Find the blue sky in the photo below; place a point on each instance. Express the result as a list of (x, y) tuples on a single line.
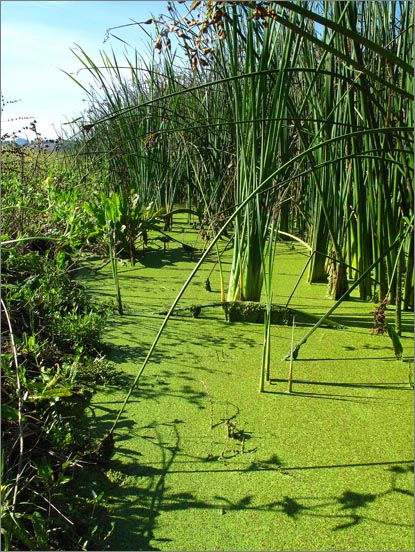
[(36, 41)]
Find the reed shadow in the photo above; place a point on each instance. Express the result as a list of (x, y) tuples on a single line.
[(368, 385)]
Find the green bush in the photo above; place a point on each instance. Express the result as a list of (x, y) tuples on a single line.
[(51, 360)]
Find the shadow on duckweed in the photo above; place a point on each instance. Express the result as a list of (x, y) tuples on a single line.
[(144, 496), (141, 498), (159, 258)]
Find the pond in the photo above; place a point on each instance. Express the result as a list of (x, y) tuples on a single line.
[(204, 461)]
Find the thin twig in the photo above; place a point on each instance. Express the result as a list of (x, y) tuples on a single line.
[(53, 507), (19, 406)]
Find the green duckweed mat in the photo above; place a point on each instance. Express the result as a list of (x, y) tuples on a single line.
[(203, 461)]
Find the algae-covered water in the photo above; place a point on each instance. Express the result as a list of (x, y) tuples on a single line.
[(203, 461)]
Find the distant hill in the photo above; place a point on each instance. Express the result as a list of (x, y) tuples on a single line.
[(21, 141), (43, 144)]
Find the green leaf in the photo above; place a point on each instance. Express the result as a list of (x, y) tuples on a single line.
[(47, 394), (56, 392), (10, 413), (39, 528), (397, 345), (88, 209), (11, 529)]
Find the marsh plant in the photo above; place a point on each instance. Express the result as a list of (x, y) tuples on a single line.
[(294, 119), (306, 103), (50, 357), (50, 345)]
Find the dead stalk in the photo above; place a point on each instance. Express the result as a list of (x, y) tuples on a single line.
[(19, 406)]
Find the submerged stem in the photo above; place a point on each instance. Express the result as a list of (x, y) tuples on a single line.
[(294, 354)]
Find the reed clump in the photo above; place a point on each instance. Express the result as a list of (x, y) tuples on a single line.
[(309, 106), (279, 119)]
